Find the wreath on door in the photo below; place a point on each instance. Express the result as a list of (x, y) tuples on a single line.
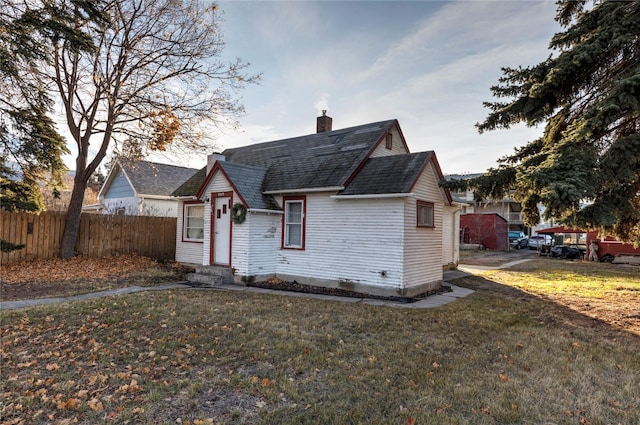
[(239, 213)]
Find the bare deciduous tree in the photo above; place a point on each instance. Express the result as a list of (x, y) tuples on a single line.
[(154, 79)]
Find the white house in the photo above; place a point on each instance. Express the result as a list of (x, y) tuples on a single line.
[(349, 208), (141, 188)]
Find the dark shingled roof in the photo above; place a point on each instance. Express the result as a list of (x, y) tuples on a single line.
[(150, 178), (316, 160), (319, 160), (192, 185), (388, 174), (248, 182)]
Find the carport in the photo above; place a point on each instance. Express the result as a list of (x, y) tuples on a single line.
[(606, 246), (562, 235)]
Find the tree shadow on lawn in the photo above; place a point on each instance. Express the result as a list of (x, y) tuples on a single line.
[(605, 316)]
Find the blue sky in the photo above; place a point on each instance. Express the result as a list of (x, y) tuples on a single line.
[(429, 64)]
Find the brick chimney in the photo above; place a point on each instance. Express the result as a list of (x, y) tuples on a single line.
[(212, 159), (324, 122)]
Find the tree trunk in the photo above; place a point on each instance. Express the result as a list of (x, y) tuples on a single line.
[(72, 221)]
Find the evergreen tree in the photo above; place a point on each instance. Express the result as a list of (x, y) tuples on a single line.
[(31, 148), (585, 169)]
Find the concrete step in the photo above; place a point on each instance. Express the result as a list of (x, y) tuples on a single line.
[(206, 280), (215, 275)]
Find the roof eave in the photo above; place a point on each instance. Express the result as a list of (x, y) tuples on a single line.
[(374, 196), (304, 190)]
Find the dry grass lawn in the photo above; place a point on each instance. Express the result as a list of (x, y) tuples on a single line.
[(514, 352)]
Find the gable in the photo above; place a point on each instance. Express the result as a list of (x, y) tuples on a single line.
[(143, 178), (398, 146), (119, 187), (246, 181), (396, 174), (388, 174)]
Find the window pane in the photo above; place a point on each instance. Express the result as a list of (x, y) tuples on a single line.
[(196, 211), (293, 231), (194, 222), (294, 212), (425, 215), (294, 235)]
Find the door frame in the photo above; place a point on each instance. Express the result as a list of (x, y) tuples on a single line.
[(213, 197)]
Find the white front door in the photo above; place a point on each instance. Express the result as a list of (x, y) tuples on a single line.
[(221, 236)]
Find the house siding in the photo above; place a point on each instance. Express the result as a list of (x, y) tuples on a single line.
[(398, 147), (186, 252), (240, 244), (159, 208), (450, 236), (264, 242), (350, 244), (130, 204), (423, 246), (119, 188)]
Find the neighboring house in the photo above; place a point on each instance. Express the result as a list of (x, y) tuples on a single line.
[(509, 209), (349, 208), (141, 188)]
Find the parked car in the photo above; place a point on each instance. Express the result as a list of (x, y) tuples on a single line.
[(517, 240), (537, 241)]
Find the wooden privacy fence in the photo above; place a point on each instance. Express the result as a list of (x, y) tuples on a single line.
[(99, 235)]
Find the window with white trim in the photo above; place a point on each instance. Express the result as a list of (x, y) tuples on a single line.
[(193, 222), (294, 221), (424, 212)]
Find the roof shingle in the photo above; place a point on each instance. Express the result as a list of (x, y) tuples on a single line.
[(388, 174), (150, 178)]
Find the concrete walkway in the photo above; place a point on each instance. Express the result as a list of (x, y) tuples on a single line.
[(429, 302), (9, 305)]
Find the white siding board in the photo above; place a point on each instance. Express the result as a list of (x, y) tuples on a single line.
[(130, 205), (450, 235), (186, 252), (264, 242), (159, 207), (423, 246), (240, 247), (349, 241)]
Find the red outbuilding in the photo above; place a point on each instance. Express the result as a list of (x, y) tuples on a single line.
[(490, 230)]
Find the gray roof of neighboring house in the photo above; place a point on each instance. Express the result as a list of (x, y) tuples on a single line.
[(150, 178), (388, 174), (462, 176)]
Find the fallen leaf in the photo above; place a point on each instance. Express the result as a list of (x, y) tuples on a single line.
[(95, 405)]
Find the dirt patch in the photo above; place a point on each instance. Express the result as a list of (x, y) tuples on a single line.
[(53, 277), (494, 258), (282, 285)]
